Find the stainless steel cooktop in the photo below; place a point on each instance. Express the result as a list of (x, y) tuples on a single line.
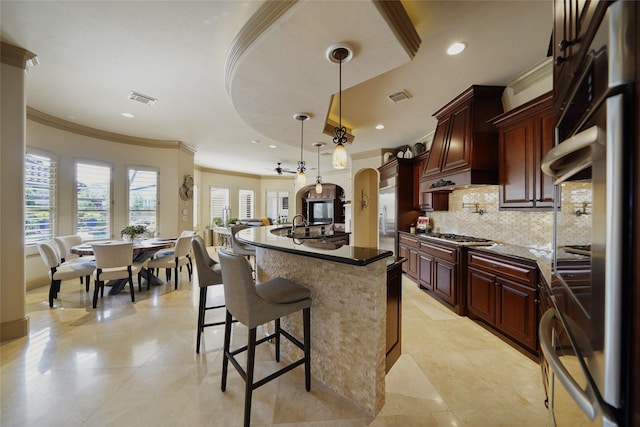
[(458, 239)]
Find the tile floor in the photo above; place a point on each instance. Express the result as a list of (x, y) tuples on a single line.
[(130, 364)]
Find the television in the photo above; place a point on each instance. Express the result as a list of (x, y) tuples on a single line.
[(320, 212)]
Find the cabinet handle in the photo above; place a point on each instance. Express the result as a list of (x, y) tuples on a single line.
[(560, 60), (564, 44)]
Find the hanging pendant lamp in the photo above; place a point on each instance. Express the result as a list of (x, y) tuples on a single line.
[(301, 179), (340, 53), (318, 178)]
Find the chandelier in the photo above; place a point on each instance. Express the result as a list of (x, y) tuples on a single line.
[(340, 53), (301, 179)]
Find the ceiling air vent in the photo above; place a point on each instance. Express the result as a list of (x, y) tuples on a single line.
[(399, 96), (142, 98)]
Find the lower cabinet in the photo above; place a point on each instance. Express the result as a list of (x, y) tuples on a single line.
[(394, 313), (408, 248), (503, 293), (438, 266)]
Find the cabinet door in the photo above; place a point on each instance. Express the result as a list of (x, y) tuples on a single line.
[(517, 165), (481, 299), (425, 271), (434, 164), (546, 123), (516, 315), (403, 252), (458, 149), (413, 263), (444, 281)]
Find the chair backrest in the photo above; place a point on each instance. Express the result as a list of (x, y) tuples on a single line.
[(65, 243), (111, 255), (207, 275), (49, 253), (237, 246), (183, 246), (187, 233), (239, 288)]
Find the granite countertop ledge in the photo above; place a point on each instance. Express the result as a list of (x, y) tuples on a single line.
[(354, 255), (541, 257)]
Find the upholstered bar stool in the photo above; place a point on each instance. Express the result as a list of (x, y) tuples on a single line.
[(209, 274), (254, 305)]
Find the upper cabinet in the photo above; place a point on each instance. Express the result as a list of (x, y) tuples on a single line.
[(465, 147), (572, 34), (526, 135)]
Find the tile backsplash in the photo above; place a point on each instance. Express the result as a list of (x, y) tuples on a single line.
[(520, 228)]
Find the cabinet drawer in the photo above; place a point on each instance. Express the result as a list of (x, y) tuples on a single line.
[(438, 251), (408, 241), (502, 267)]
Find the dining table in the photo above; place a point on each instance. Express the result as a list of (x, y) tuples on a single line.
[(142, 251)]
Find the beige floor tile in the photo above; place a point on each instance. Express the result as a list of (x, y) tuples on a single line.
[(126, 364)]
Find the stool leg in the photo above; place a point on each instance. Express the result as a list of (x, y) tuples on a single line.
[(251, 358), (203, 298), (225, 350), (306, 314), (277, 332)]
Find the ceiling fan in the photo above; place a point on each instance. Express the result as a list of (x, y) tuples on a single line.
[(280, 170)]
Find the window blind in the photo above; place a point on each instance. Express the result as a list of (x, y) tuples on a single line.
[(143, 198), (246, 204), (93, 201), (40, 197)]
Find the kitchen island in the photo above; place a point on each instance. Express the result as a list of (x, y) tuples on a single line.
[(348, 314)]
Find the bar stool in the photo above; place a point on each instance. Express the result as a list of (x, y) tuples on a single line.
[(209, 274), (254, 305)]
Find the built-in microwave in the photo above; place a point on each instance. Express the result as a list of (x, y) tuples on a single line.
[(583, 336)]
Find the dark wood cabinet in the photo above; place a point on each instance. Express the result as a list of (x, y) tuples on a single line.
[(502, 292), (572, 34), (399, 173), (331, 194), (526, 134), (394, 312), (408, 248), (465, 147), (439, 269)]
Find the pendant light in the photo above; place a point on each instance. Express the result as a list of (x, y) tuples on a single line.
[(301, 179), (318, 178), (340, 53)]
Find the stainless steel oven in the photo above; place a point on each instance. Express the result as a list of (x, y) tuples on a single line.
[(583, 336)]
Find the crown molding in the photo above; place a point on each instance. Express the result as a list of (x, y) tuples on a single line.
[(55, 122), (17, 56), (399, 22), (538, 72), (228, 173)]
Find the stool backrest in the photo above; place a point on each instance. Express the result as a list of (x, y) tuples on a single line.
[(207, 275), (239, 288)]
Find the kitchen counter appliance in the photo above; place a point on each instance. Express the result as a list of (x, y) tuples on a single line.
[(459, 240), (584, 337)]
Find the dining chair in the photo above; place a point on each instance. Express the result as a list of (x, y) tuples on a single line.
[(209, 274), (172, 260), (185, 233), (64, 244), (114, 261), (59, 271), (254, 305)]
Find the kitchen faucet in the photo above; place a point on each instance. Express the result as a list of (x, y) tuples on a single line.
[(293, 222)]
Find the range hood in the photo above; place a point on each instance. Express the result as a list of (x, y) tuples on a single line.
[(464, 151)]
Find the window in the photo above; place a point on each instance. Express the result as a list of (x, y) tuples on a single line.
[(93, 201), (143, 198), (246, 204), (278, 205), (219, 202), (40, 197)]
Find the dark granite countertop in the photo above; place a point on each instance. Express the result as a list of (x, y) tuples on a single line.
[(355, 255), (543, 258)]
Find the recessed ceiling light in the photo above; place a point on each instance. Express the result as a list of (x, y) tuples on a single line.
[(456, 48), (127, 115), (379, 126), (255, 141), (272, 146)]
